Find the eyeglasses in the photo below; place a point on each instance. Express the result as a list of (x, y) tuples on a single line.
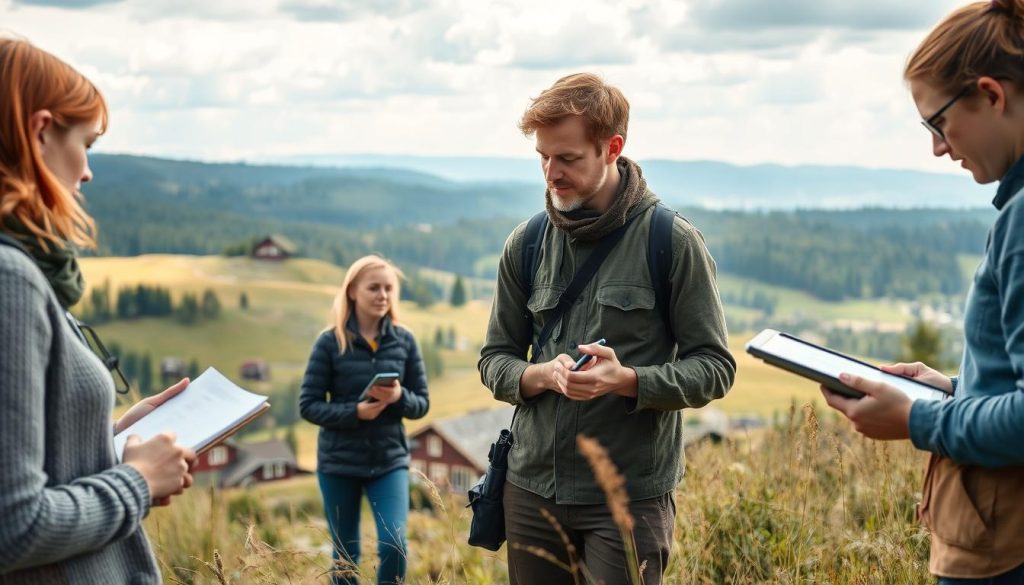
[(121, 385), (929, 122)]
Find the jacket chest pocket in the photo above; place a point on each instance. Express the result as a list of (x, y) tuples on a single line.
[(542, 302), (626, 311)]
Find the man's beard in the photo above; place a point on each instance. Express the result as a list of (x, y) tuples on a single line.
[(576, 202), (567, 206)]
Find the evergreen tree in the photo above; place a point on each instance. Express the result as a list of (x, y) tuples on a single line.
[(458, 297), (452, 338), (418, 290), (292, 439), (243, 301), (99, 304), (126, 308), (146, 375), (130, 366), (923, 344), (188, 309), (432, 360), (210, 308)]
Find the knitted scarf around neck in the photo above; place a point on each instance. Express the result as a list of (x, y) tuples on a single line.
[(59, 263), (588, 225)]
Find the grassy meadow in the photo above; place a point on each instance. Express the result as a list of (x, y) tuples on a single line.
[(802, 501)]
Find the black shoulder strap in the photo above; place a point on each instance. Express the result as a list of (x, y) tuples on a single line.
[(579, 282), (659, 260), (533, 238)]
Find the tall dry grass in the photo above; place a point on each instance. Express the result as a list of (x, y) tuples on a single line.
[(804, 501)]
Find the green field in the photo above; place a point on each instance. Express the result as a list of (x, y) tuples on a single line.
[(798, 304), (289, 306)]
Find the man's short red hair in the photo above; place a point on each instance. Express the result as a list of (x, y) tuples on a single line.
[(603, 108)]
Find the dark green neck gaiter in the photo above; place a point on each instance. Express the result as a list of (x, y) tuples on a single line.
[(59, 264)]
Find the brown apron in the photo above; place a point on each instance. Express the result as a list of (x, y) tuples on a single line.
[(976, 518)]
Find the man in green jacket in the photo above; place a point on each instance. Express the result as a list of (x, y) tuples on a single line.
[(630, 394)]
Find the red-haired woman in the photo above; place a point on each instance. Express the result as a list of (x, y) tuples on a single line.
[(70, 512), (967, 79), (362, 445)]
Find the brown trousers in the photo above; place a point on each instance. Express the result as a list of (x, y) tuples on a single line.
[(591, 531)]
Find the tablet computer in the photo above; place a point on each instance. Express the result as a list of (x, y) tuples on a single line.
[(824, 365), (380, 379)]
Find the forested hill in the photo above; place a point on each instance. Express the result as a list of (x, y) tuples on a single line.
[(147, 205)]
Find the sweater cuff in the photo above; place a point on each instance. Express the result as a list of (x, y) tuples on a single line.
[(955, 381), (138, 486), (923, 417)]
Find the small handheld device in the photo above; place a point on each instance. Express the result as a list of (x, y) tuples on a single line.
[(586, 357), (379, 379)]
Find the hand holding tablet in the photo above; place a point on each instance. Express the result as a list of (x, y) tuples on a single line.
[(824, 366)]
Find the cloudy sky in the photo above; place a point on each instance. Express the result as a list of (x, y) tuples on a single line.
[(743, 81)]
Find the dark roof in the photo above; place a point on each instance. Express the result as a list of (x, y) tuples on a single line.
[(473, 433), (281, 242), (252, 456)]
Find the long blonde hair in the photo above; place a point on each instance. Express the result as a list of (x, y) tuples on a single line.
[(342, 309), (32, 80)]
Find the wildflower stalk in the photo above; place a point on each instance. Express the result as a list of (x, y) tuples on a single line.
[(614, 486)]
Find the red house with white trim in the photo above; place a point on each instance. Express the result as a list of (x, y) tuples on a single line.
[(234, 464), (453, 452)]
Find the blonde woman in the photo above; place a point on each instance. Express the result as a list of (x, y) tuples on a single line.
[(69, 513), (362, 444)]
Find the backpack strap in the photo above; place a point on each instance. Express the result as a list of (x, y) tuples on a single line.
[(659, 260), (533, 238)]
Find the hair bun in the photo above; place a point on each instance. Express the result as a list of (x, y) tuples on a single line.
[(1008, 7)]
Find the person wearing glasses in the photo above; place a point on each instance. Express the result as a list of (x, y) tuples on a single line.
[(967, 80), (365, 375), (69, 512)]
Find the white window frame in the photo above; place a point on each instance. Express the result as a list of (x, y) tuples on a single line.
[(218, 456), (434, 446)]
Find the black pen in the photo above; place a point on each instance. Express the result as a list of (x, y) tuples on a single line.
[(586, 357)]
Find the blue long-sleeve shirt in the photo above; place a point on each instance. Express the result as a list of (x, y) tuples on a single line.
[(984, 422)]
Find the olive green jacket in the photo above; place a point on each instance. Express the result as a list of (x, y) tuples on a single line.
[(688, 369)]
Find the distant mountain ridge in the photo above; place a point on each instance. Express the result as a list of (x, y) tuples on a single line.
[(147, 205), (711, 184)]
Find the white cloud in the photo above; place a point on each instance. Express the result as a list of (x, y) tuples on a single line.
[(790, 82), (343, 10)]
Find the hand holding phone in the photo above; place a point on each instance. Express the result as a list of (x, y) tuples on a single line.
[(586, 357), (380, 379)]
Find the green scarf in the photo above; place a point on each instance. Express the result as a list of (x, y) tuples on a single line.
[(59, 264), (584, 224)]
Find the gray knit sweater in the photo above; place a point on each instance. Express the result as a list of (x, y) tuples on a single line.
[(68, 512)]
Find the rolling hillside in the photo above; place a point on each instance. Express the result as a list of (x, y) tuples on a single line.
[(289, 304)]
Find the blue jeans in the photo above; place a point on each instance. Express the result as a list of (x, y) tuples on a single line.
[(389, 501), (1014, 577)]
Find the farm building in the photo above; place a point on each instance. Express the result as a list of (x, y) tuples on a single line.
[(235, 464)]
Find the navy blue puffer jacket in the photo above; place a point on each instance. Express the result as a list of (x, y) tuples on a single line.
[(330, 389)]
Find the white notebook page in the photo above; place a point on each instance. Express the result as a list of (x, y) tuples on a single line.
[(209, 406)]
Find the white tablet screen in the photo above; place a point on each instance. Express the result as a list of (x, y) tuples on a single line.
[(831, 364)]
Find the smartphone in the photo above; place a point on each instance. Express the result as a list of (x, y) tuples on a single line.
[(586, 357), (379, 379)]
